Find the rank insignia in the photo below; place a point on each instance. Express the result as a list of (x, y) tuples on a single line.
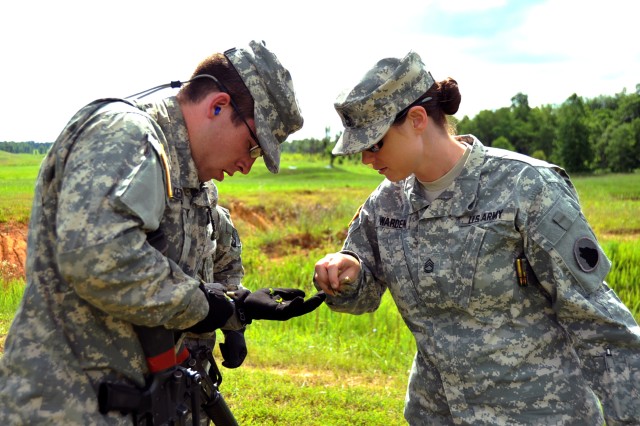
[(428, 266)]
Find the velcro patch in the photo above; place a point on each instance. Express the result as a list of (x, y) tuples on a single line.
[(586, 253)]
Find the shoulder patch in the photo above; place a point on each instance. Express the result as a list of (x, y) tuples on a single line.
[(355, 216), (157, 146), (586, 253)]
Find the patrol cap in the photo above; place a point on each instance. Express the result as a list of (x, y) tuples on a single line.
[(369, 110), (276, 111)]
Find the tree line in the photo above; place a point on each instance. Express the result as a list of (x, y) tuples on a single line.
[(581, 135), (25, 147)]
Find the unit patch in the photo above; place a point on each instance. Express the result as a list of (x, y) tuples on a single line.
[(586, 253)]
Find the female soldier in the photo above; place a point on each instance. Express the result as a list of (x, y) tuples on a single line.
[(491, 264)]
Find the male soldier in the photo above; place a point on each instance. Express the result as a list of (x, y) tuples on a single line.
[(121, 227)]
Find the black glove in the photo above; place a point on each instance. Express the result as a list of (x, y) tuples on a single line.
[(220, 310), (234, 348), (278, 304)]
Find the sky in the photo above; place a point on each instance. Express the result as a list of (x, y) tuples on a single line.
[(56, 56)]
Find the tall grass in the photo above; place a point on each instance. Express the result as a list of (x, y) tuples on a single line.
[(624, 276), (18, 173)]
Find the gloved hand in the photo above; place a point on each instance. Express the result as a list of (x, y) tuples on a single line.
[(220, 310), (279, 304), (234, 348)]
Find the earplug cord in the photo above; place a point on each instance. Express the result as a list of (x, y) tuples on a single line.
[(174, 85)]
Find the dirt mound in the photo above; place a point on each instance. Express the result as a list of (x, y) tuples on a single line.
[(13, 237), (254, 217), (13, 250)]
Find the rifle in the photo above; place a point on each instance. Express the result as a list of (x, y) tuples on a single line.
[(213, 402), (178, 388)]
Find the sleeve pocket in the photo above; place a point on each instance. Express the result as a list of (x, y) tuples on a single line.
[(563, 232), (616, 381)]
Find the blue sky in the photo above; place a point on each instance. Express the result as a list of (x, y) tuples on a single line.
[(57, 56)]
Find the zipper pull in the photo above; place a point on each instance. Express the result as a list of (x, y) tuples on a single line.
[(608, 359)]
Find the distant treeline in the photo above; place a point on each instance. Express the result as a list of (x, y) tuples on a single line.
[(580, 135), (25, 147)]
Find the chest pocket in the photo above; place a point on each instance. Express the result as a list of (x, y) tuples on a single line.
[(198, 243), (447, 267), (398, 273)]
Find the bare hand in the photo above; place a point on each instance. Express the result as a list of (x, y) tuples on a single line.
[(336, 270)]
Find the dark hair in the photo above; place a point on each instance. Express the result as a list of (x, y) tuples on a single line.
[(445, 100), (219, 66)]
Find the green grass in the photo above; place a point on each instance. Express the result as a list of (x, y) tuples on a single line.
[(328, 368), (18, 173), (611, 204), (312, 398)]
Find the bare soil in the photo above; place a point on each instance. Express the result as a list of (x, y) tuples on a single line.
[(13, 238), (13, 250)]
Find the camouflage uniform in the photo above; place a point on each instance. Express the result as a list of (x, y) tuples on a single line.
[(493, 349), (91, 273), (225, 266)]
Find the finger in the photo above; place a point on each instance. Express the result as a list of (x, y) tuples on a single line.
[(321, 280), (316, 300), (327, 270), (311, 304), (289, 293), (349, 275), (333, 272), (321, 276), (290, 309)]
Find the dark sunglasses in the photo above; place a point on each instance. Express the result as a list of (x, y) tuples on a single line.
[(376, 147)]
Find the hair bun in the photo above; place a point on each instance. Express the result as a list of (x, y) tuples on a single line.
[(449, 96)]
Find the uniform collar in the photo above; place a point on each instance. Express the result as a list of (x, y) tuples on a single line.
[(459, 199), (167, 113)]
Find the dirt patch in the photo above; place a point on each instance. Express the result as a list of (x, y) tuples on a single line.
[(254, 217), (621, 234), (13, 250), (302, 243), (251, 218)]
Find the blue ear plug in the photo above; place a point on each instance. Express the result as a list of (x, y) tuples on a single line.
[(216, 111)]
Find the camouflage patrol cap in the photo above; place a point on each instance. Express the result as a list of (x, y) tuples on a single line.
[(371, 107), (276, 111)]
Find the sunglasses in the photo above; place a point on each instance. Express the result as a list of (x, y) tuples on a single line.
[(376, 147)]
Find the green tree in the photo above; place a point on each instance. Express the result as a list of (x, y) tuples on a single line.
[(621, 148), (543, 120), (573, 147), (488, 125), (502, 142), (520, 131)]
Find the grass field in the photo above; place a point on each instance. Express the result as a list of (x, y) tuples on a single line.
[(18, 172), (327, 368)]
